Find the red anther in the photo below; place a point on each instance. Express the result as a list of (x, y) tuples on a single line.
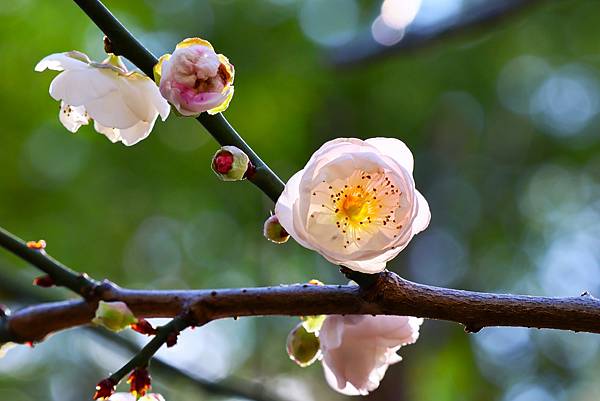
[(104, 389), (144, 327), (38, 245), (223, 162), (44, 281), (139, 381), (30, 344), (172, 339)]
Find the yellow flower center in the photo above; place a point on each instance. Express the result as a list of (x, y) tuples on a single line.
[(354, 206), (359, 206)]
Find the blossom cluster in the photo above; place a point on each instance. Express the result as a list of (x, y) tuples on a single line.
[(355, 202), (124, 105)]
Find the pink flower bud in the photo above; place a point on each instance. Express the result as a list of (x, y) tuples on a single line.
[(195, 79)]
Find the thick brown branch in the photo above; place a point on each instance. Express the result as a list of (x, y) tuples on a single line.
[(389, 294)]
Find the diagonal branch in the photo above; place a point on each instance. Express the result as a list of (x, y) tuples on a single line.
[(143, 357), (123, 43)]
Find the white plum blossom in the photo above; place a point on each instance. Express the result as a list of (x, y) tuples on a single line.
[(357, 349), (124, 105), (131, 397), (355, 202), (195, 79)]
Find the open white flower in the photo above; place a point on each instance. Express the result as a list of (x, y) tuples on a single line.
[(357, 350), (124, 105), (355, 202)]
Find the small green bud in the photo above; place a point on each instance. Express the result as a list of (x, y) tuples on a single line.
[(231, 164), (303, 347), (313, 324), (114, 316), (274, 232)]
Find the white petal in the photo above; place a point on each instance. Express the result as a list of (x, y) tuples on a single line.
[(332, 380), (77, 87), (72, 117), (331, 332), (133, 135), (396, 149), (285, 209), (112, 111), (143, 97), (61, 61), (113, 134), (423, 217)]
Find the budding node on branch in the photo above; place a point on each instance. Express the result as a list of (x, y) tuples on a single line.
[(172, 339), (114, 316), (37, 245), (139, 382), (104, 389), (142, 326), (231, 164), (274, 232), (44, 281)]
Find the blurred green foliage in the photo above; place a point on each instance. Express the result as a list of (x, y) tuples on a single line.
[(504, 124)]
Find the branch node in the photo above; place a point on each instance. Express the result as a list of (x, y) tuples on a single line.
[(472, 328), (364, 280)]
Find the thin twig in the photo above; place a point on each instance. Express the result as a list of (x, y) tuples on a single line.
[(125, 44), (142, 357), (63, 276)]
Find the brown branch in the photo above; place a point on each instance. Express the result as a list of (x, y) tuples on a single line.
[(366, 49), (15, 290), (389, 294)]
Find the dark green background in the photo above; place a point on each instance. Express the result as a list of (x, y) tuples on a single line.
[(513, 188)]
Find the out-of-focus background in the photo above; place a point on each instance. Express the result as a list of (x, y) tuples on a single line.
[(503, 120)]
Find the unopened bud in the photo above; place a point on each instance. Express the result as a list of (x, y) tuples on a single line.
[(139, 382), (44, 281), (104, 389), (231, 164), (142, 326), (313, 324), (303, 347), (172, 339), (114, 316), (274, 231)]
